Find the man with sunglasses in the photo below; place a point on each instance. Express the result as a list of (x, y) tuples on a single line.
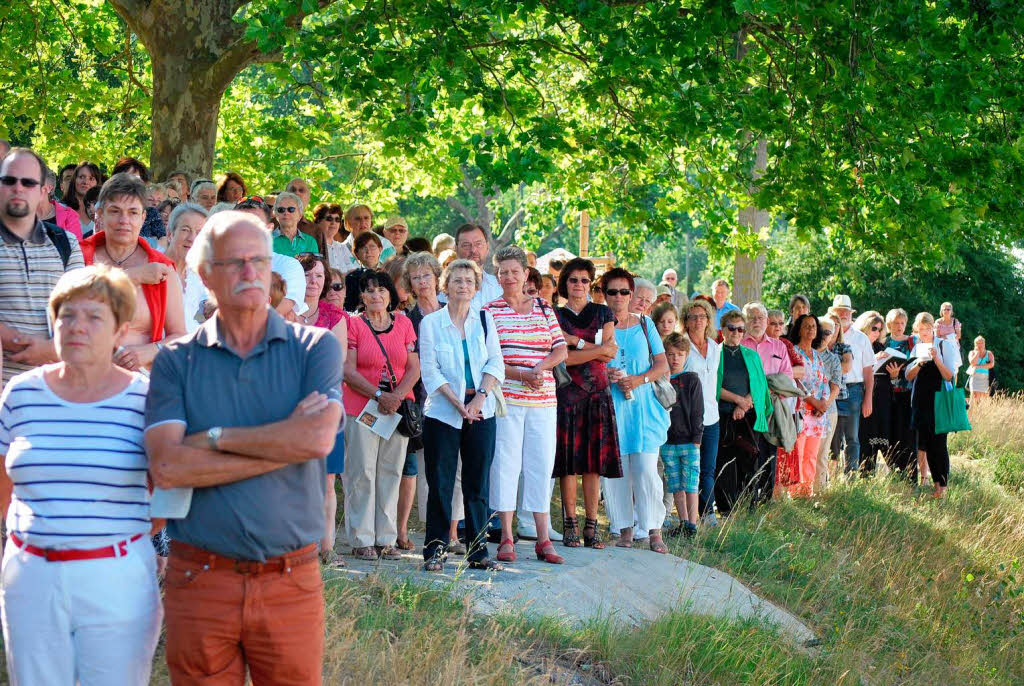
[(30, 265), (288, 240)]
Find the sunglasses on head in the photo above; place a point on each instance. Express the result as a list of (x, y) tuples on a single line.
[(734, 328), (25, 182), (618, 291), (253, 198), (289, 210)]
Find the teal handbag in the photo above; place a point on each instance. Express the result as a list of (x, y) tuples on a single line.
[(951, 410)]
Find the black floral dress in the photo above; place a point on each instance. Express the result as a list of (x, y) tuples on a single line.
[(588, 439)]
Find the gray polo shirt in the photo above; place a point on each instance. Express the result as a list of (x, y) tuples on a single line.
[(199, 381)]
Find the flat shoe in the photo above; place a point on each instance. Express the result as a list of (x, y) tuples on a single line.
[(486, 564), (405, 545), (457, 548), (366, 553), (389, 553)]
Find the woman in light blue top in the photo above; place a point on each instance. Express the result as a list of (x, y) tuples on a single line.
[(462, 365), (642, 421)]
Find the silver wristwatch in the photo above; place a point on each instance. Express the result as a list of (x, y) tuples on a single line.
[(482, 391), (378, 394), (213, 437), (647, 379), (580, 343)]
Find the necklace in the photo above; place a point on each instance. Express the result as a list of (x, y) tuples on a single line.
[(733, 351), (118, 263), (312, 315)]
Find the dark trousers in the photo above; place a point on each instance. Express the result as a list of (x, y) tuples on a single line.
[(708, 460), (738, 457), (442, 445), (902, 437), (938, 455), (764, 478)]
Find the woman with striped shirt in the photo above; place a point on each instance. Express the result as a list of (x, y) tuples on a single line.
[(532, 345), (78, 588)]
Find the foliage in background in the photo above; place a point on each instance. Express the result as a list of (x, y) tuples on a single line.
[(985, 283)]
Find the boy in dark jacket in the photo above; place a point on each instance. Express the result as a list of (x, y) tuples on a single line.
[(681, 453)]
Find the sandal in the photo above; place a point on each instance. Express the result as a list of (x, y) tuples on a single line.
[(331, 560), (388, 552), (510, 554), (546, 553), (571, 532), (594, 540), (434, 564), (624, 542), (405, 544), (487, 565), (368, 553), (656, 544), (457, 547)]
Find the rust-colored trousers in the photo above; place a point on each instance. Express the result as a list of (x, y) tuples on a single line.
[(220, 621)]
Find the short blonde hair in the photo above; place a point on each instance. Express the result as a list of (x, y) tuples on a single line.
[(979, 338), (462, 264), (709, 329), (442, 242), (894, 314), (98, 282), (921, 319), (419, 260)]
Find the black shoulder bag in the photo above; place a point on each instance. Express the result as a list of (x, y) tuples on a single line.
[(559, 371), (411, 424)]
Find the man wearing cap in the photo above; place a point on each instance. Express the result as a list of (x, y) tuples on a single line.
[(670, 279), (860, 382), (396, 230)]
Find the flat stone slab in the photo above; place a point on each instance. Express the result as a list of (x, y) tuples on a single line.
[(629, 586)]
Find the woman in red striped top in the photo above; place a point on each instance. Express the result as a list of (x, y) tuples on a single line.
[(532, 344)]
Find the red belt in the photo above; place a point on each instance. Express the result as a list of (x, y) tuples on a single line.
[(119, 549)]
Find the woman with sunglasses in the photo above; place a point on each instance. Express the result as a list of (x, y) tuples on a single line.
[(330, 233), (704, 357), (902, 456), (336, 291), (641, 421), (875, 429), (588, 444), (806, 336), (288, 240), (744, 405)]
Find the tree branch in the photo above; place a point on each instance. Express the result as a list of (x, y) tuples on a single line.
[(508, 231), (456, 205)]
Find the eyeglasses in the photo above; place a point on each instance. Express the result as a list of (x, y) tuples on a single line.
[(618, 291), (735, 329), (289, 210), (26, 183), (774, 323), (584, 281), (337, 287), (238, 264)]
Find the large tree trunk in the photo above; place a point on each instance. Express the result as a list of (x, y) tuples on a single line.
[(748, 272), (197, 49)]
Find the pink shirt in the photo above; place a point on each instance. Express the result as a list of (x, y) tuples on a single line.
[(773, 353), (67, 219), (399, 341)]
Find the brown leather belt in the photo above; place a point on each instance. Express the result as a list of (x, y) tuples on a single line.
[(282, 563)]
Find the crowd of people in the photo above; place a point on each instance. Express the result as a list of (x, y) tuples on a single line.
[(188, 368)]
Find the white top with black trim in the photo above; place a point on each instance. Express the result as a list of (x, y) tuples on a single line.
[(79, 469)]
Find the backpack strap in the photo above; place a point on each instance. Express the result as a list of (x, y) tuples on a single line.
[(59, 238)]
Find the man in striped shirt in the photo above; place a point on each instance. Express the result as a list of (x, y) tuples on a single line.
[(30, 265)]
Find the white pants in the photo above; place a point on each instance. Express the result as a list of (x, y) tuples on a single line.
[(94, 622), (525, 444), (422, 489), (640, 482)]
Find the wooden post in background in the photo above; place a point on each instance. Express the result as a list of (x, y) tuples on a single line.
[(584, 234)]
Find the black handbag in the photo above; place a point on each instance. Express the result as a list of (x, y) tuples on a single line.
[(411, 424), (559, 371)]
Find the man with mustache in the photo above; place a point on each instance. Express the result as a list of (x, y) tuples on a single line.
[(243, 412), (30, 264)]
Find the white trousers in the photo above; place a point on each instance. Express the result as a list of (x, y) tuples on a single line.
[(640, 484), (525, 444), (94, 622), (422, 489)]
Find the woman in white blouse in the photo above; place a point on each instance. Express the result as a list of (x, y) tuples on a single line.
[(698, 321), (461, 367), (79, 588)]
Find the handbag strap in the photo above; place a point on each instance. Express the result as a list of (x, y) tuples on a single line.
[(650, 350), (387, 360), (543, 311)]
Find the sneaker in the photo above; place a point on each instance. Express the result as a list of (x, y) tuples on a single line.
[(689, 530), (709, 519)]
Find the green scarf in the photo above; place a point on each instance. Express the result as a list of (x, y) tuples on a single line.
[(758, 385)]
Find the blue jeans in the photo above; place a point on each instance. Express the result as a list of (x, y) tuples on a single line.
[(848, 429), (708, 460)]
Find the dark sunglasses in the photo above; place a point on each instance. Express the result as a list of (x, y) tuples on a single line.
[(332, 218), (825, 333), (876, 328), (584, 281), (27, 183), (289, 210), (734, 329), (337, 287), (618, 291)]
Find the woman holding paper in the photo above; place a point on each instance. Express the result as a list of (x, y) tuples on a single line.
[(934, 363), (381, 368), (901, 432), (875, 429), (462, 365), (79, 587)]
